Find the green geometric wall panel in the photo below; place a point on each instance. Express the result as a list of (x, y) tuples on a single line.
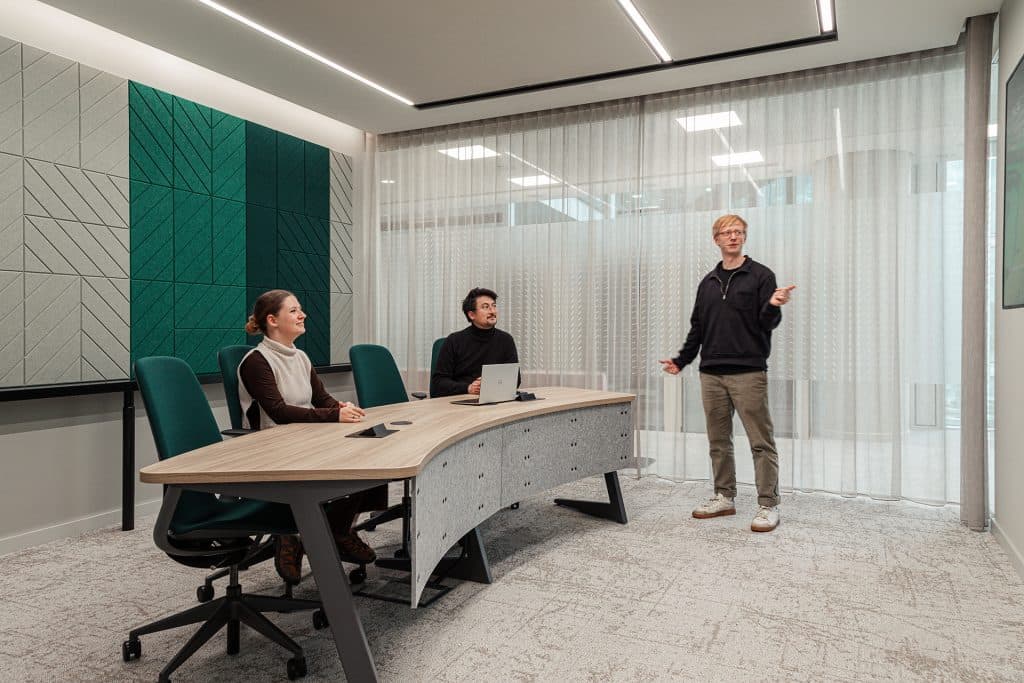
[(291, 167), (208, 307), (317, 181), (199, 348), (260, 165), (152, 318), (228, 157), (260, 246), (228, 242), (317, 340), (151, 232), (150, 147), (193, 146), (298, 271), (193, 231), (296, 232)]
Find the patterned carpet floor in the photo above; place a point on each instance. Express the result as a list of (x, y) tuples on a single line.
[(843, 590)]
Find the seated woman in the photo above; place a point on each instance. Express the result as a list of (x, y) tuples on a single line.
[(277, 385)]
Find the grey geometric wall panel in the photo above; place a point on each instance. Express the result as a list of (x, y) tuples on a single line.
[(12, 329), (341, 187), (73, 194), (105, 328), (341, 326), (12, 237), (104, 111), (50, 107), (74, 248), (10, 96), (341, 258), (53, 328)]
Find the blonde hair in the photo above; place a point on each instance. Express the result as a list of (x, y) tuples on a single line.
[(725, 221), (268, 303)]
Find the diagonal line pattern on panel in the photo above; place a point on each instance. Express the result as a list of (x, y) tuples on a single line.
[(192, 145), (89, 194), (54, 301), (228, 157), (341, 187), (112, 197), (295, 233), (151, 146)]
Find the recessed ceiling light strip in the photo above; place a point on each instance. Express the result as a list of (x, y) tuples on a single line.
[(304, 50), (645, 29)]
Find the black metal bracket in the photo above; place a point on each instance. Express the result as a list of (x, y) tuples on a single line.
[(614, 509)]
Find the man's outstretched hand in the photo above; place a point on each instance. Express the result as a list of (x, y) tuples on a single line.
[(781, 295), (669, 366)]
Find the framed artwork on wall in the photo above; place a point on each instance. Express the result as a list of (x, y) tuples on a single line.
[(1013, 192)]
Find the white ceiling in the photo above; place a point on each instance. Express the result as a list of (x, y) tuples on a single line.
[(440, 49)]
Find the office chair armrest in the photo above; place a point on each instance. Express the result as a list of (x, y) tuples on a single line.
[(236, 432), (419, 394)]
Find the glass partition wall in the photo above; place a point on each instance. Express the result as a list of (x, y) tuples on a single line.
[(593, 224)]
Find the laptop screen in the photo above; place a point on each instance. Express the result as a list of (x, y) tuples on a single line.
[(498, 383)]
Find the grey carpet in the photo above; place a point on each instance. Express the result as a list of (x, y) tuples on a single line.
[(843, 590)]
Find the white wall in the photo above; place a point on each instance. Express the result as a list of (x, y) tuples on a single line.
[(1008, 524), (60, 459)]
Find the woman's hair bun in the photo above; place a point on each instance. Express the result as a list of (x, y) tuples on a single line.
[(251, 327)]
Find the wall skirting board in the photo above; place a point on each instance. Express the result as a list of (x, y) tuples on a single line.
[(72, 528), (1014, 553)]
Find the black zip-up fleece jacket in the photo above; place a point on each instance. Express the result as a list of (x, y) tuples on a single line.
[(732, 321)]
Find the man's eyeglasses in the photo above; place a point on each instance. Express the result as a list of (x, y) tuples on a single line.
[(732, 233)]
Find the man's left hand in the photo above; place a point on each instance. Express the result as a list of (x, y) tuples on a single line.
[(781, 295)]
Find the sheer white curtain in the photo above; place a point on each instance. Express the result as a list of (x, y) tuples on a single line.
[(594, 226), (526, 206)]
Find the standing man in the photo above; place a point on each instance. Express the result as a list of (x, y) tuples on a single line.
[(465, 352), (738, 305)]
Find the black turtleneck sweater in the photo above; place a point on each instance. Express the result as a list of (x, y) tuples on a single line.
[(464, 353)]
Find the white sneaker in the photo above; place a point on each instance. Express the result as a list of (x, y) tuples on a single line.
[(715, 507), (766, 519)]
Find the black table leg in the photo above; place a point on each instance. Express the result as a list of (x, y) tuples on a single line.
[(128, 461), (614, 509), (335, 593)]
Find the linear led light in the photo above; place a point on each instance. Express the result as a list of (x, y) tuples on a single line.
[(737, 158), (534, 180), (387, 181), (645, 30), (721, 119), (469, 152), (993, 130), (301, 48), (825, 19)]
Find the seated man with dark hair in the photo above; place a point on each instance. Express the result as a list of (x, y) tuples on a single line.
[(465, 352)]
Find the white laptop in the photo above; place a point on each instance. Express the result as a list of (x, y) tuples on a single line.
[(498, 384)]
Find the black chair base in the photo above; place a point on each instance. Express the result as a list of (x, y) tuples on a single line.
[(231, 610)]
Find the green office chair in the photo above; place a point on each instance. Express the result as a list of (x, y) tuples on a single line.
[(202, 530), (229, 358), (435, 351)]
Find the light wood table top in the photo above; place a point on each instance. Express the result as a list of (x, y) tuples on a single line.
[(318, 452)]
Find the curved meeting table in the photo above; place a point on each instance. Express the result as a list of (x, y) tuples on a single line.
[(463, 463)]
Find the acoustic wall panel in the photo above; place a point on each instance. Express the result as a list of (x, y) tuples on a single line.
[(10, 96), (341, 326), (106, 319), (104, 122), (135, 223), (12, 232), (150, 148), (50, 107), (152, 232), (228, 157), (341, 183), (53, 328), (12, 328)]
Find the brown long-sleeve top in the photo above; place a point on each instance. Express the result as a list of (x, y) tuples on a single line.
[(258, 377)]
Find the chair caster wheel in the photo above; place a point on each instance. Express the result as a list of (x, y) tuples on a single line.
[(513, 506), (357, 575), (401, 554), (320, 620), (296, 668), (204, 593), (131, 649)]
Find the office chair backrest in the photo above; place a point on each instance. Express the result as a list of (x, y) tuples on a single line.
[(434, 353), (176, 406), (378, 382), (181, 420), (229, 358)]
